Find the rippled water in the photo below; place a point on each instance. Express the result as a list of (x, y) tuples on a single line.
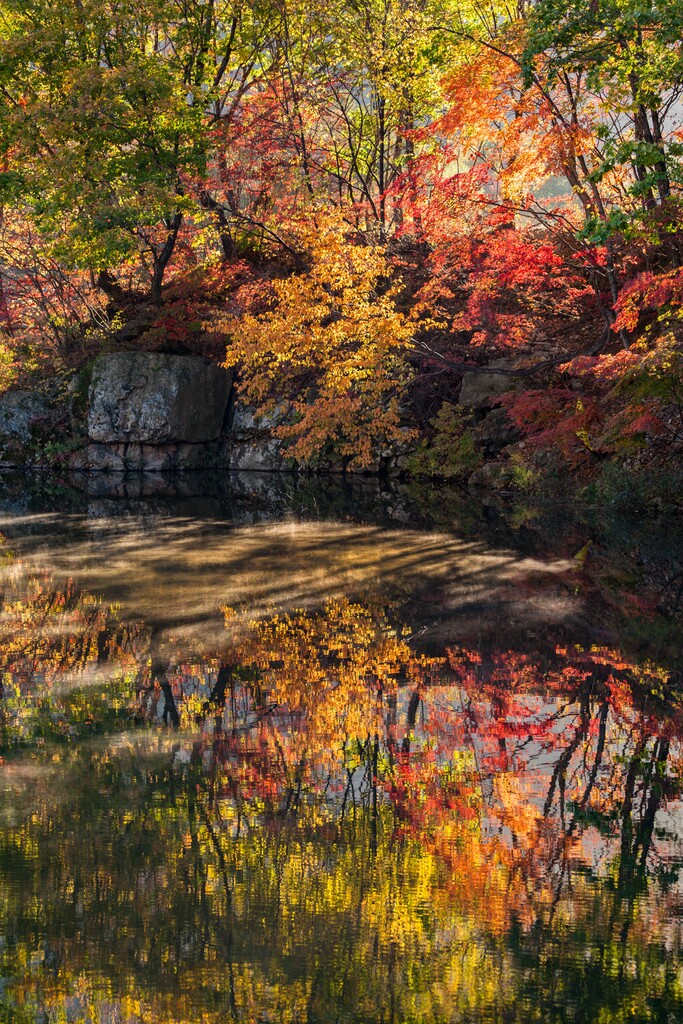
[(286, 761)]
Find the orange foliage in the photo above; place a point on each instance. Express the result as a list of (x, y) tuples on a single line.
[(332, 347)]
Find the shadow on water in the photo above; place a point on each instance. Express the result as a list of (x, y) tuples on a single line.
[(271, 754)]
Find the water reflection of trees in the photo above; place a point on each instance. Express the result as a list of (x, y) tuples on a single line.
[(66, 660), (344, 828), (535, 783)]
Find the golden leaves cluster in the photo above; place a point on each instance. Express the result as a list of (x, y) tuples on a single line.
[(333, 345)]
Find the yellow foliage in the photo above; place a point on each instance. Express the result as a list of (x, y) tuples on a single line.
[(333, 346)]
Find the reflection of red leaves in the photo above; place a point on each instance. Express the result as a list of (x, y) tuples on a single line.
[(496, 688), (425, 791)]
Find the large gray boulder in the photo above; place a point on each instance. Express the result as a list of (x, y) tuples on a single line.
[(152, 398)]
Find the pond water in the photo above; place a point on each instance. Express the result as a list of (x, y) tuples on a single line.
[(270, 754)]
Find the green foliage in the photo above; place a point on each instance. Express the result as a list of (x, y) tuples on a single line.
[(525, 476), (451, 452), (630, 55), (107, 111)]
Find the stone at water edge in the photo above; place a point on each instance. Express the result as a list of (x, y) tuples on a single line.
[(154, 398), (262, 454), (144, 458), (252, 444)]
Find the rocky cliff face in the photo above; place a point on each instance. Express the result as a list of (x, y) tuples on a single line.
[(149, 398), (150, 412)]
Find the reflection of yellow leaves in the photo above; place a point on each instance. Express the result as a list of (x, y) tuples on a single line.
[(517, 811), (229, 614)]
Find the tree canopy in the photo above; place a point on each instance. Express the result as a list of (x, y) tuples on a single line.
[(516, 170)]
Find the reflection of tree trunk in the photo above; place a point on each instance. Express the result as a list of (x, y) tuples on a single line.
[(560, 771), (375, 769), (647, 824), (217, 698), (561, 768), (293, 795), (217, 695), (637, 840), (392, 716), (223, 924), (635, 843), (411, 718), (350, 790), (226, 928), (3, 714), (625, 861), (159, 667), (103, 646), (599, 751), (170, 709)]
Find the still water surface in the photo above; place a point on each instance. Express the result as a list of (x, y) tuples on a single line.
[(273, 765)]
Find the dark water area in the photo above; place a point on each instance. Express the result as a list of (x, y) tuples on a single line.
[(279, 750)]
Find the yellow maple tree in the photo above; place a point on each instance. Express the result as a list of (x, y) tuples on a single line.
[(333, 345)]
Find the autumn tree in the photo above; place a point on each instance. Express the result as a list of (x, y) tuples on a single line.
[(106, 117), (574, 118), (332, 347)]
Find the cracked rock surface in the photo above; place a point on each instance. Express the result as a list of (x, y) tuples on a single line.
[(152, 398)]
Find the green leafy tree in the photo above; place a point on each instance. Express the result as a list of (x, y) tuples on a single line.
[(627, 57), (106, 118)]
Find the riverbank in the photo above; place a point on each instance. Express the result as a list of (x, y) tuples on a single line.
[(130, 415)]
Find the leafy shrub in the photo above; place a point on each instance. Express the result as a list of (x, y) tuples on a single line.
[(452, 452)]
